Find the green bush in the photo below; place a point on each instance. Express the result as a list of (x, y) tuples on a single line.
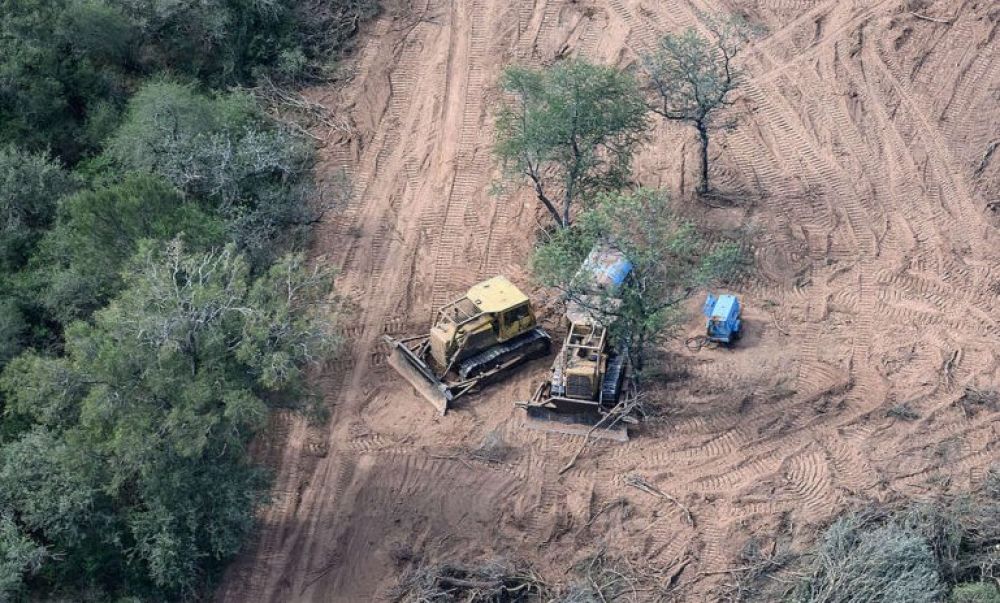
[(975, 592), (100, 229)]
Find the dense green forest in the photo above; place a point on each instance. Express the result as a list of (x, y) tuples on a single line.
[(155, 305)]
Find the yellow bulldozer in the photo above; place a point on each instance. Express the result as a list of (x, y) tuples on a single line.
[(474, 339), (590, 376)]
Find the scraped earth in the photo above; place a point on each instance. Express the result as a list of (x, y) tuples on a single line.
[(861, 161)]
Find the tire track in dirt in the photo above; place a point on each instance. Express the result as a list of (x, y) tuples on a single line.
[(448, 252)]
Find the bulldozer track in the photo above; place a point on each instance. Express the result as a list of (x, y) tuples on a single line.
[(466, 182)]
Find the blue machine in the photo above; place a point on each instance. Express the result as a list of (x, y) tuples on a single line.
[(605, 270), (723, 314)]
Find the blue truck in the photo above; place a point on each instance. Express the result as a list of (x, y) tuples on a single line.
[(722, 313)]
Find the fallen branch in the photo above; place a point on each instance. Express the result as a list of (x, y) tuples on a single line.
[(675, 571), (586, 442), (615, 503), (949, 366), (480, 584), (774, 320), (732, 570), (990, 149), (933, 19), (625, 406), (639, 482), (489, 581)]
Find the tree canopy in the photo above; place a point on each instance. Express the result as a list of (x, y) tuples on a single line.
[(67, 67), (30, 187), (571, 129), (224, 152), (690, 76), (155, 306)]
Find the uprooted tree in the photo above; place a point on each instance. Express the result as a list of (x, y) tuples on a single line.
[(690, 76), (669, 261), (571, 130)]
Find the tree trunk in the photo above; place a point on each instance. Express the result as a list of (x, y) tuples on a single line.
[(703, 137), (540, 193)]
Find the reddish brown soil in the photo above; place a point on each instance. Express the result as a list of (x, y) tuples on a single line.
[(859, 161)]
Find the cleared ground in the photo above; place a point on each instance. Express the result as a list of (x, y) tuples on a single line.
[(862, 161)]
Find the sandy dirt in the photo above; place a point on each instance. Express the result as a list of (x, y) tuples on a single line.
[(860, 160)]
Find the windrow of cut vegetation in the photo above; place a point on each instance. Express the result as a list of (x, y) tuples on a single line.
[(155, 302), (944, 548)]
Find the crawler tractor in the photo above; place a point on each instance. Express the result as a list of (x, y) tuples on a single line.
[(475, 338), (590, 376)]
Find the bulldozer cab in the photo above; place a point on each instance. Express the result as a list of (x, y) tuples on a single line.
[(500, 298), (515, 321)]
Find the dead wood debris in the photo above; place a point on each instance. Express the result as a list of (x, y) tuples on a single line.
[(624, 411), (298, 113), (638, 481), (495, 581)]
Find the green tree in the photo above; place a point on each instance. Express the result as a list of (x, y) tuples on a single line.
[(20, 557), (50, 485), (99, 230), (571, 130), (196, 344), (689, 77), (30, 188), (58, 61), (224, 152), (12, 330), (669, 261)]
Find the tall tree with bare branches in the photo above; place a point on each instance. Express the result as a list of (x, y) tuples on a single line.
[(690, 76)]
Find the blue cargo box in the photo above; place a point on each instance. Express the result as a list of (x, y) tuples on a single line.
[(605, 270), (723, 322)]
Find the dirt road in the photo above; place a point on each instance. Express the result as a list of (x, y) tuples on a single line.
[(862, 162)]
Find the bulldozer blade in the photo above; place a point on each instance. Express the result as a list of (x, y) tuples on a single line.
[(542, 419), (420, 376)]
